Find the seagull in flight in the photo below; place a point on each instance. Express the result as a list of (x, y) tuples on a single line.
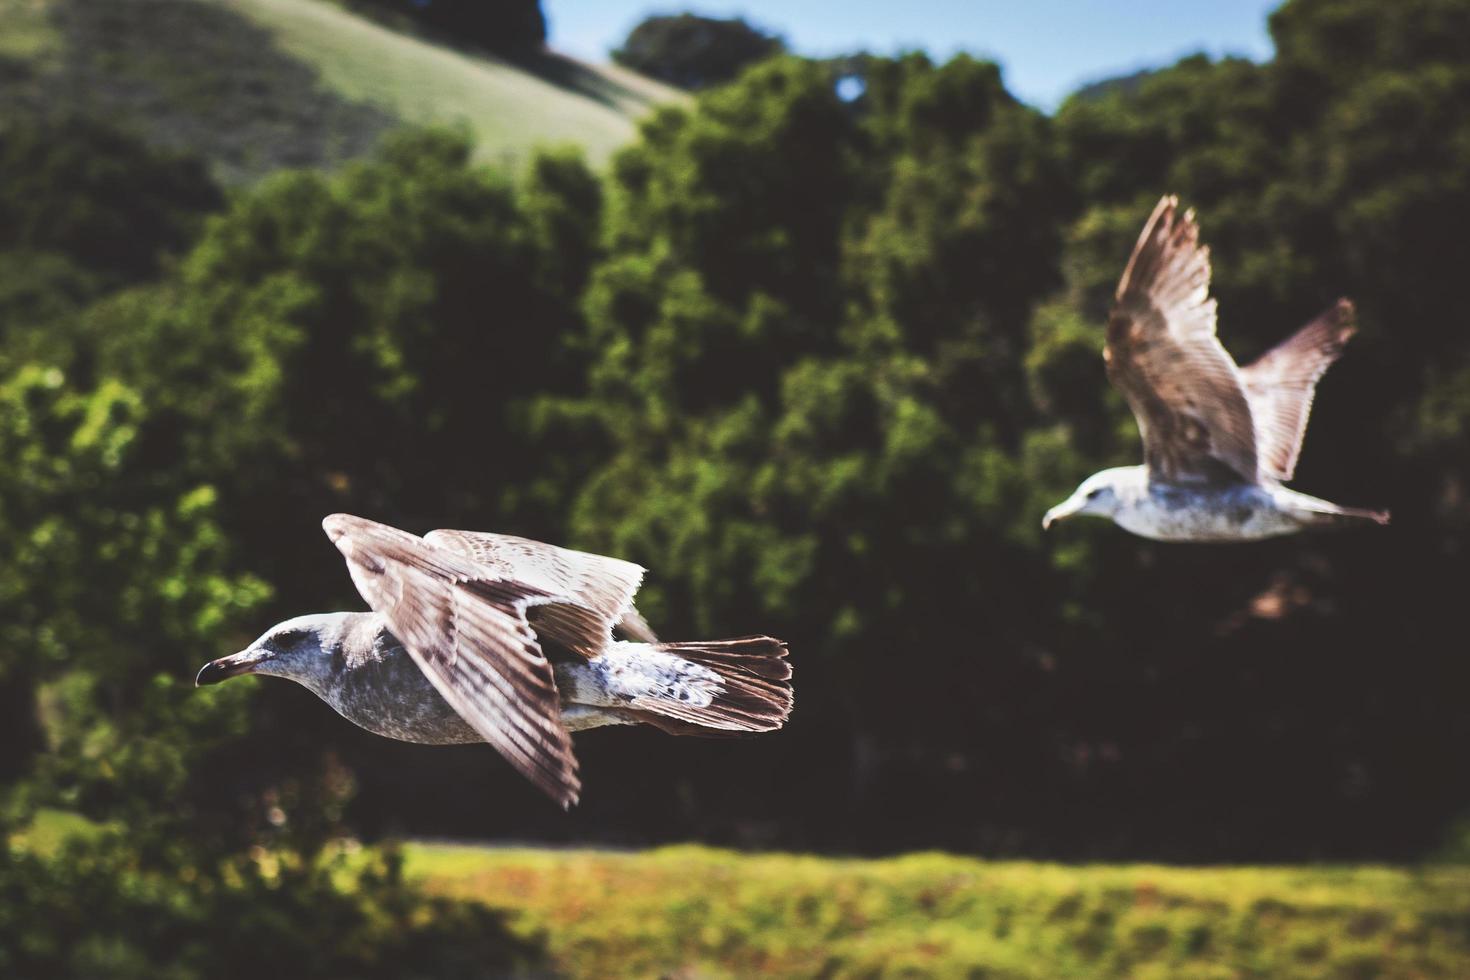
[(1218, 440), (479, 637)]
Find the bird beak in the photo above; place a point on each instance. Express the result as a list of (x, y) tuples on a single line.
[(1060, 512), (234, 665)]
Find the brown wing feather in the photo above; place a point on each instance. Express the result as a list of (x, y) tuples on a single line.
[(1162, 353), (465, 626), (1280, 384), (603, 587)]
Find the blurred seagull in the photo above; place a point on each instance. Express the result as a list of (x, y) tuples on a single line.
[(1218, 440), (478, 637)]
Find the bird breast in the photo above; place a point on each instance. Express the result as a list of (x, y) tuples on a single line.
[(388, 694)]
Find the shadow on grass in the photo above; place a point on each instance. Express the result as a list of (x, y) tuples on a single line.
[(575, 76)]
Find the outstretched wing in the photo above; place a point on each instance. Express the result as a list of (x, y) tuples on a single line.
[(465, 625), (1280, 384), (602, 587), (1162, 353)]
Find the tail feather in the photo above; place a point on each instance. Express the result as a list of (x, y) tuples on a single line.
[(1334, 515), (754, 689), (1362, 514), (1314, 512)]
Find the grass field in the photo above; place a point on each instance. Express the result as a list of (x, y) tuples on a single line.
[(699, 912), (696, 912), (256, 85)]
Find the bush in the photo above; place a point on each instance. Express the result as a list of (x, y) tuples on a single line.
[(90, 909)]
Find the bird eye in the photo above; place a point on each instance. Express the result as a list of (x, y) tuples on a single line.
[(288, 638), (1095, 494)]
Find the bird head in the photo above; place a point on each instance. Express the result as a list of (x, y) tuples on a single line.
[(1100, 494), (301, 649)]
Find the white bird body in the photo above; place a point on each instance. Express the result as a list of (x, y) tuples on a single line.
[(1233, 512)]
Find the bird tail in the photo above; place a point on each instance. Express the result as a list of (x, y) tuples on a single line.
[(754, 694), (1320, 513), (1352, 515)]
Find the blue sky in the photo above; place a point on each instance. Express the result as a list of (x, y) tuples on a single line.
[(1047, 47)]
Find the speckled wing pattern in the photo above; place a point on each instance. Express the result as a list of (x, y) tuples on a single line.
[(1162, 353), (1280, 384), (603, 587), (464, 623)]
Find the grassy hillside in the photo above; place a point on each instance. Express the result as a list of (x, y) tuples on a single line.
[(508, 107), (689, 911), (254, 85)]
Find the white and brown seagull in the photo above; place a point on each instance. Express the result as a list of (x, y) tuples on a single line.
[(1218, 440), (478, 637)]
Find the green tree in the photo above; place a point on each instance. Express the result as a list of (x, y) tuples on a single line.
[(84, 208), (1335, 169), (371, 341), (695, 52), (210, 819), (840, 420), (809, 322), (370, 335), (77, 187)]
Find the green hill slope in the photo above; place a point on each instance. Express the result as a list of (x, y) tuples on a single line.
[(254, 85), (509, 108)]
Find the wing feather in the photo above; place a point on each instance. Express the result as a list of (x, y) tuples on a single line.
[(465, 625), (1162, 353), (1281, 383), (602, 587)]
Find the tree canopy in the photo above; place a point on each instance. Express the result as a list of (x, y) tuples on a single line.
[(695, 52)]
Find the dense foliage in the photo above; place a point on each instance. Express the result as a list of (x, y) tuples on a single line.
[(695, 52), (90, 910), (119, 576), (820, 361), (847, 353)]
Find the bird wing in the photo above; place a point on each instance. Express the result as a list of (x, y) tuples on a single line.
[(635, 627), (1279, 386), (464, 624), (602, 587), (1162, 353)]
